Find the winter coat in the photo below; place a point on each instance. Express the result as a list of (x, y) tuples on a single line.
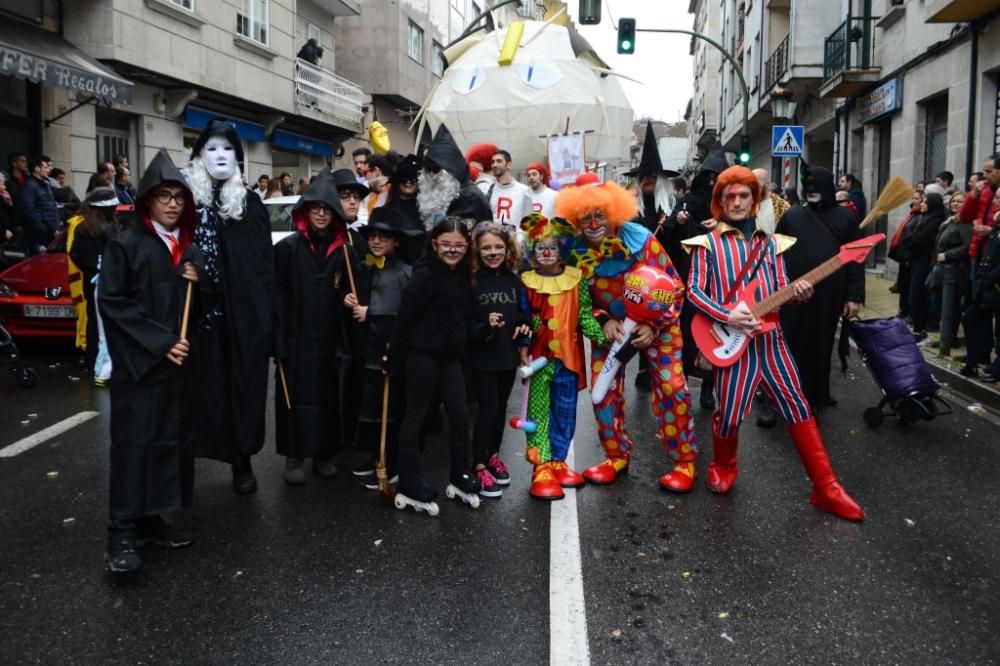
[(978, 210), (40, 213), (858, 197), (432, 313), (920, 245), (953, 240)]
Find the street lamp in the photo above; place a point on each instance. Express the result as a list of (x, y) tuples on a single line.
[(782, 106)]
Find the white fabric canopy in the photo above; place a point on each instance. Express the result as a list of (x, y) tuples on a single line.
[(512, 106)]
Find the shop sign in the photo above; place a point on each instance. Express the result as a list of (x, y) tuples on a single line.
[(884, 100)]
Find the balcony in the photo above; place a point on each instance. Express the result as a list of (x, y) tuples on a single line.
[(776, 66), (340, 7), (321, 94), (847, 58), (958, 11)]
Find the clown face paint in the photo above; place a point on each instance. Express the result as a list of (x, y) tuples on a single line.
[(492, 251), (595, 227), (547, 254), (219, 157)]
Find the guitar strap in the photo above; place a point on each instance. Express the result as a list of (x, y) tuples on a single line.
[(754, 259)]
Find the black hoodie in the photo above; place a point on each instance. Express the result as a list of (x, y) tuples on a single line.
[(470, 203), (921, 244)]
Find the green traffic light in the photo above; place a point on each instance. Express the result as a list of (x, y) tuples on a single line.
[(626, 45), (744, 158)]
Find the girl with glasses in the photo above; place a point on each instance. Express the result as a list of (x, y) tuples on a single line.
[(426, 353)]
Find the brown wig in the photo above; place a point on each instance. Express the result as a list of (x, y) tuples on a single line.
[(513, 257)]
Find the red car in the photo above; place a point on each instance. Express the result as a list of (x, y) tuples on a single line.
[(34, 296)]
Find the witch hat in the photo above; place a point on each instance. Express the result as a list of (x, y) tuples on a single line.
[(715, 161), (444, 153), (650, 161)]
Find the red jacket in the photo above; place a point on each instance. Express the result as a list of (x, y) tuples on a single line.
[(978, 211)]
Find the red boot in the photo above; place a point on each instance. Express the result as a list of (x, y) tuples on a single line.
[(544, 485), (722, 471), (680, 479), (606, 471), (565, 476), (827, 494)]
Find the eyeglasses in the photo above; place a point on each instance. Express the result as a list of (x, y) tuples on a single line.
[(380, 236), (408, 181), (452, 247), (320, 208), (551, 248), (349, 196), (166, 196)]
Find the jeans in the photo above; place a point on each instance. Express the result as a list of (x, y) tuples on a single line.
[(950, 299)]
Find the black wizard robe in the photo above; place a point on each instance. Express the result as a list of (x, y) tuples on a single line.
[(141, 301), (308, 315), (811, 327), (227, 370)]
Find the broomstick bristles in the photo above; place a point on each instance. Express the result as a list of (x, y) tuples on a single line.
[(895, 193)]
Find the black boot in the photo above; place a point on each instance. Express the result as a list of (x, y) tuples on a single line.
[(243, 479), (766, 416), (707, 396)]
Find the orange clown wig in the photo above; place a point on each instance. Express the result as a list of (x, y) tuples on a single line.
[(573, 203), (734, 175)]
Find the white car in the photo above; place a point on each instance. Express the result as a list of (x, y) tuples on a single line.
[(280, 212)]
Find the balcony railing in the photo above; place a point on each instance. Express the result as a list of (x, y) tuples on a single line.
[(776, 66), (850, 46), (326, 93)]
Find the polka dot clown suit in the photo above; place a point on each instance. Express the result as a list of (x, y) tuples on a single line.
[(605, 259), (556, 300)]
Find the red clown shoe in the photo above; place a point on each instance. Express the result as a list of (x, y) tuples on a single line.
[(680, 479), (565, 476), (607, 471), (544, 485)]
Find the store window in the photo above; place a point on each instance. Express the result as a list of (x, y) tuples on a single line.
[(415, 42), (936, 143), (186, 4), (251, 22)]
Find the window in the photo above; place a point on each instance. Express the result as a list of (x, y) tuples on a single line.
[(415, 42), (313, 32), (437, 60), (936, 144), (186, 4), (252, 21)]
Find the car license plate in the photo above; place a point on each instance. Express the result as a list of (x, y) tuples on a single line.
[(50, 311)]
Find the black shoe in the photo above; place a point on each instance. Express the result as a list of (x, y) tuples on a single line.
[(122, 555), (767, 418), (643, 382), (969, 371), (324, 468), (371, 482), (989, 378), (243, 479), (160, 533), (707, 397), (466, 482), (416, 489), (365, 468)]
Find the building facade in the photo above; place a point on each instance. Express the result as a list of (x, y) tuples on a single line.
[(703, 113)]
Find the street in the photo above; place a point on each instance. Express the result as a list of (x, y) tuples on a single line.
[(331, 573)]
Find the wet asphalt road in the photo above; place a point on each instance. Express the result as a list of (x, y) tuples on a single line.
[(330, 574)]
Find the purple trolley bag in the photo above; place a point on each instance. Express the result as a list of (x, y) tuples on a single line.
[(897, 365)]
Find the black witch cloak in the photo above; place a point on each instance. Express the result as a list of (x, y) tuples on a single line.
[(811, 327), (227, 370)]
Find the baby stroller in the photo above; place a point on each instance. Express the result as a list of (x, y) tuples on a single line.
[(24, 374), (890, 352)]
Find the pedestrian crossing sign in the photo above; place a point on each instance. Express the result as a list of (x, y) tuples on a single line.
[(787, 140)]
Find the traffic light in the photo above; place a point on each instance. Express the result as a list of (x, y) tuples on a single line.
[(744, 156), (590, 12), (626, 35)]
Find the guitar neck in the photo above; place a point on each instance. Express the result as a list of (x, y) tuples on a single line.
[(782, 296)]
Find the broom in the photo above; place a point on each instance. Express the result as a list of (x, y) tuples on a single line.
[(896, 193), (380, 466)]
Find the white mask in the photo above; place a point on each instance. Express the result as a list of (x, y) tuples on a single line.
[(219, 157), (814, 197)]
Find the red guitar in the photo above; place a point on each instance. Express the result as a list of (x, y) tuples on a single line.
[(723, 345)]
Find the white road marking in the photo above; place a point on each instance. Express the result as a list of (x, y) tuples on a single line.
[(46, 434), (568, 643)]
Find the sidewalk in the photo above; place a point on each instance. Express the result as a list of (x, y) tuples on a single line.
[(880, 302)]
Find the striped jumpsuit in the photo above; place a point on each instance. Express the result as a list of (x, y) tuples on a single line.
[(716, 261), (671, 401)]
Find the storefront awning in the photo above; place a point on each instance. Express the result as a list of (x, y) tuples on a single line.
[(28, 52), (199, 119), (301, 144)]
